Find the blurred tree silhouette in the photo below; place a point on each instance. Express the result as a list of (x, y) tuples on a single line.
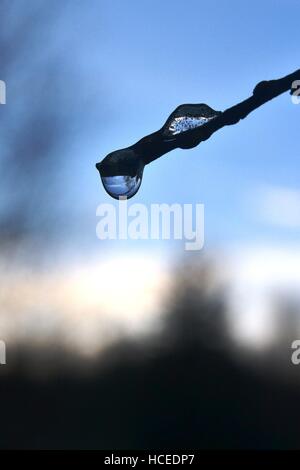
[(179, 389), (35, 122), (31, 129)]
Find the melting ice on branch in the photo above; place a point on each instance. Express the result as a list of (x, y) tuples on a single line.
[(121, 171)]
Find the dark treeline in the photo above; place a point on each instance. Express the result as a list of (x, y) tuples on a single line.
[(183, 388)]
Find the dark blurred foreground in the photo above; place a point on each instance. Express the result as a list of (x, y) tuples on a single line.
[(183, 388)]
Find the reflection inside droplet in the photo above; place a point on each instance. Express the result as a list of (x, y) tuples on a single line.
[(118, 186), (185, 123), (187, 117)]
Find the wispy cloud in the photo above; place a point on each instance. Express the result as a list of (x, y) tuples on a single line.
[(278, 205)]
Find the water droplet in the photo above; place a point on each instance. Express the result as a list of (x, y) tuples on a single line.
[(121, 173), (187, 117), (118, 186)]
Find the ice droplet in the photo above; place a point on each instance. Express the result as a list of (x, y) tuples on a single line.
[(118, 186), (187, 117)]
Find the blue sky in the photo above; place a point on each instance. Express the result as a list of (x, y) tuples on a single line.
[(157, 55), (152, 56), (132, 62)]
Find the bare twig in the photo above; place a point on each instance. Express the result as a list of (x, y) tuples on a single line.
[(154, 145), (131, 160)]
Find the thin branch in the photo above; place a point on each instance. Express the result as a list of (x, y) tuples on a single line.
[(131, 160), (155, 145)]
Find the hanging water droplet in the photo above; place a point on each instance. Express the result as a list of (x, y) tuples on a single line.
[(121, 173), (187, 117), (118, 186)]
